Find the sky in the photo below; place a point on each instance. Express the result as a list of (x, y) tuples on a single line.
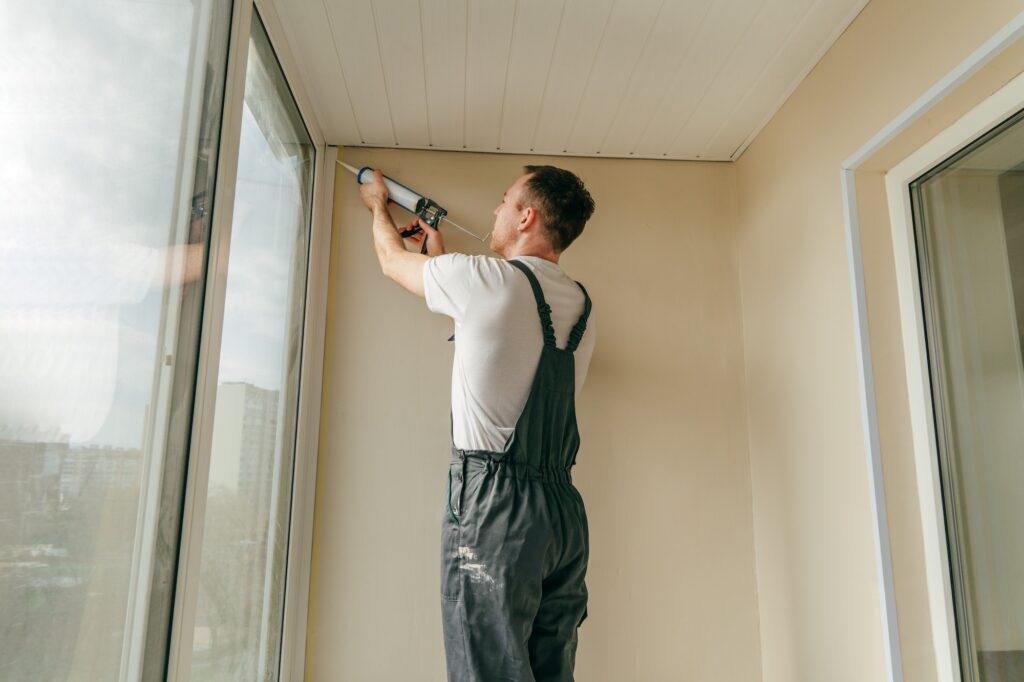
[(91, 128)]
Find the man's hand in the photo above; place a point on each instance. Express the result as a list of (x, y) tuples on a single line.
[(403, 267), (435, 241), (374, 194)]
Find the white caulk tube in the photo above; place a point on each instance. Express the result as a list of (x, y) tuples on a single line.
[(405, 197), (397, 192)]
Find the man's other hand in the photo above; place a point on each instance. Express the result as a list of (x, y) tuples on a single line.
[(435, 240), (374, 194)]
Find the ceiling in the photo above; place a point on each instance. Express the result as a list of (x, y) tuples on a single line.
[(656, 79)]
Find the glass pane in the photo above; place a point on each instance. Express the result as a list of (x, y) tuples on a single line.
[(239, 616), (970, 220), (109, 132)]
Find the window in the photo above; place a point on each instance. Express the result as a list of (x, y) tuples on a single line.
[(110, 133), (122, 322), (969, 224), (245, 539)]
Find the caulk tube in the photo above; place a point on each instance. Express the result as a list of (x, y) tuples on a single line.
[(397, 192)]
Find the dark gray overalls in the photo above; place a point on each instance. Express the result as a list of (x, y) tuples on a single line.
[(514, 541)]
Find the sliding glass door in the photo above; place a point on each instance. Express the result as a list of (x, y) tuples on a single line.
[(151, 339), (969, 219)]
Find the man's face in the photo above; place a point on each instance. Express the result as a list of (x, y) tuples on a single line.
[(507, 216)]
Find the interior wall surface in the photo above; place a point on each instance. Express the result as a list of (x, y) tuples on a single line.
[(817, 575), (663, 467)]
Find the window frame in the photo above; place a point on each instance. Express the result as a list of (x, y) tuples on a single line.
[(943, 119), (927, 415), (300, 536)]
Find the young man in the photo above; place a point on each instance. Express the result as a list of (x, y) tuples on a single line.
[(514, 542)]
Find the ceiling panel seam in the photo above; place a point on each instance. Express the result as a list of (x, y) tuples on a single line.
[(383, 74), (760, 76), (710, 83), (632, 75), (547, 76), (590, 74), (341, 68), (426, 80), (683, 58), (508, 60)]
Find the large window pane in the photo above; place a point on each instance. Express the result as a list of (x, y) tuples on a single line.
[(109, 131), (239, 613), (969, 215)]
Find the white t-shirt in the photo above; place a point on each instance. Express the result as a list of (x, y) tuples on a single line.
[(498, 338)]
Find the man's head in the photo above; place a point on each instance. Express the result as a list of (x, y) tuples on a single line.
[(546, 206)]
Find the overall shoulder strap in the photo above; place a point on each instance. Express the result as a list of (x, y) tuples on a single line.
[(542, 307), (576, 335)]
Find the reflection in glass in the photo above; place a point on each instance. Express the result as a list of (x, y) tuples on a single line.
[(110, 127), (238, 618), (969, 214)]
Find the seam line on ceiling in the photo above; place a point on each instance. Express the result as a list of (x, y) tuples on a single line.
[(547, 77), (426, 82), (590, 74), (383, 73), (718, 71), (632, 75), (683, 58), (341, 68), (508, 61), (793, 32)]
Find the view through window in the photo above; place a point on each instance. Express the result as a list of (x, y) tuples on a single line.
[(969, 218), (110, 129), (242, 566)]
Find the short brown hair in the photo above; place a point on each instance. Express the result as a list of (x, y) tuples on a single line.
[(564, 203)]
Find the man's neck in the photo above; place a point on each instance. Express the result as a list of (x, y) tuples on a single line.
[(546, 254)]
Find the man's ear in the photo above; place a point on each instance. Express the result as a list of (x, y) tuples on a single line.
[(528, 219)]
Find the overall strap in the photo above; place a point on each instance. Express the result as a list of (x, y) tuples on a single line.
[(581, 325), (542, 307)]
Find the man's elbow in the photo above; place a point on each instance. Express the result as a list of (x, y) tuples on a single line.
[(387, 266)]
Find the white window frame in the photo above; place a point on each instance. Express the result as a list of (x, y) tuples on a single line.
[(300, 537), (982, 118), (1007, 101)]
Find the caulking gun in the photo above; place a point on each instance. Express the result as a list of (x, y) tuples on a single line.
[(412, 201)]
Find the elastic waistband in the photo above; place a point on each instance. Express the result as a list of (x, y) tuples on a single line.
[(470, 460)]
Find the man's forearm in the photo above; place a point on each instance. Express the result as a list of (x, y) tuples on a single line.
[(396, 263), (386, 240)]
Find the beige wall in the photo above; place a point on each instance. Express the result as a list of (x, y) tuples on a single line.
[(725, 313), (663, 467), (819, 607)]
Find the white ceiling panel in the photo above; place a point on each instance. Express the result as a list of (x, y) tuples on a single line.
[(581, 34), (533, 43), (670, 42), (664, 79), (317, 57), (355, 36), (766, 34), (400, 38), (491, 25), (818, 29), (718, 37), (444, 51), (625, 38)]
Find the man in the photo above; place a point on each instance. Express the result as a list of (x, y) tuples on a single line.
[(514, 538)]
